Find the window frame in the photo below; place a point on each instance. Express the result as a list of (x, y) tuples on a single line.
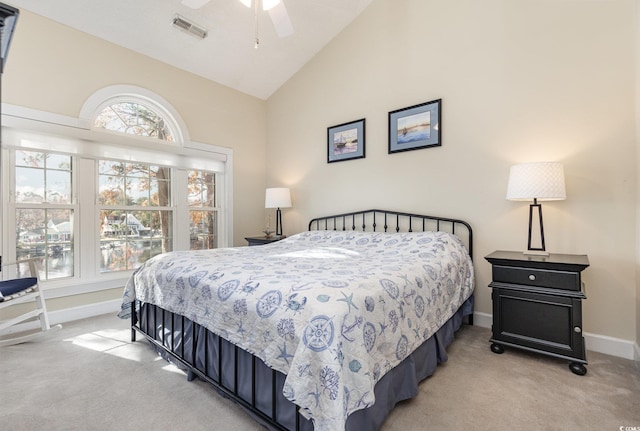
[(11, 242), (84, 141)]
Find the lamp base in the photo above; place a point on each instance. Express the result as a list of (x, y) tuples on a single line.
[(278, 222)]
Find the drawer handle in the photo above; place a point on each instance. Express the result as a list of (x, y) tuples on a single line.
[(577, 329), (532, 277)]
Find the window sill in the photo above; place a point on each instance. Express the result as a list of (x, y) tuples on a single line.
[(61, 289)]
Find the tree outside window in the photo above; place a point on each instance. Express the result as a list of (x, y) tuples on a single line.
[(202, 210), (134, 118)]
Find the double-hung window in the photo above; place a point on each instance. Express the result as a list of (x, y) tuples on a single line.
[(135, 213), (43, 210), (102, 204)]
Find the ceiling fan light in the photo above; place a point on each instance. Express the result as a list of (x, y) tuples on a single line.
[(247, 3), (269, 4)]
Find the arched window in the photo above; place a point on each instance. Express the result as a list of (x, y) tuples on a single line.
[(134, 111), (134, 118)]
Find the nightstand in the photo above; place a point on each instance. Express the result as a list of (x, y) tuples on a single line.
[(261, 240), (537, 304)]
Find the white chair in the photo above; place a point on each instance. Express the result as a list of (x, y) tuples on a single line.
[(20, 291)]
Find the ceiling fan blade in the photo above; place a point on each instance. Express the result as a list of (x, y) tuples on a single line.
[(195, 4), (281, 21)]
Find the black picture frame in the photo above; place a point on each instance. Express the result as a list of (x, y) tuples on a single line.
[(416, 127), (346, 141)]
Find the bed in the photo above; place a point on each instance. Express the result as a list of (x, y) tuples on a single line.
[(324, 330)]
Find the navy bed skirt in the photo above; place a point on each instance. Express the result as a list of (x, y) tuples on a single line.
[(239, 375)]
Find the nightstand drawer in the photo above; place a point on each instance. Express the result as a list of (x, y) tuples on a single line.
[(537, 277)]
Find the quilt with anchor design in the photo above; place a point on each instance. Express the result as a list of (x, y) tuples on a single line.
[(332, 310)]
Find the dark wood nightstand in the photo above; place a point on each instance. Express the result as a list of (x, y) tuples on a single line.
[(537, 304), (261, 240)]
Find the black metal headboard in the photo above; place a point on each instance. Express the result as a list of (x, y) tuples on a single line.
[(386, 221)]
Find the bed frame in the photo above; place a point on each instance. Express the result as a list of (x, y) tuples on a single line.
[(369, 220), (237, 374)]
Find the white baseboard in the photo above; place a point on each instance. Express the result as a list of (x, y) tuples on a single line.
[(594, 342), (483, 320), (610, 345), (70, 314), (82, 312)]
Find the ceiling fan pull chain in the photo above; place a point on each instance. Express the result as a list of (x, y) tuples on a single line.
[(255, 17)]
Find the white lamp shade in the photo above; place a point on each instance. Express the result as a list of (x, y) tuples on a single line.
[(541, 180), (277, 197)]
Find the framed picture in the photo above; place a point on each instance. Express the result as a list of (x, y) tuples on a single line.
[(415, 127), (345, 141)]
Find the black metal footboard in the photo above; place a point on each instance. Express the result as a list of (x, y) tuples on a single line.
[(232, 371)]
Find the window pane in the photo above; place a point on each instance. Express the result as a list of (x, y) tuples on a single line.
[(137, 170), (134, 119), (59, 244), (138, 191), (58, 187), (29, 185), (42, 177), (203, 230), (203, 223), (111, 190), (130, 238), (58, 161), (133, 184), (110, 167), (30, 236), (47, 236), (33, 159), (161, 185), (201, 192)]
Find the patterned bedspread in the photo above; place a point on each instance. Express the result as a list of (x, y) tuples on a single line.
[(333, 310)]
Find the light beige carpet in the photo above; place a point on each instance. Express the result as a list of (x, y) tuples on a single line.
[(88, 376)]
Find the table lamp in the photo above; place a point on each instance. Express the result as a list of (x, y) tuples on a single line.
[(539, 181), (278, 197)]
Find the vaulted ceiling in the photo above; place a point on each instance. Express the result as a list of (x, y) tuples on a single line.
[(228, 54)]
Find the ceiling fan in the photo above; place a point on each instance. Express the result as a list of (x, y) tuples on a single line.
[(276, 9)]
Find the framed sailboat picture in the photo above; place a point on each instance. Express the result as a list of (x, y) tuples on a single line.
[(415, 127), (346, 141)]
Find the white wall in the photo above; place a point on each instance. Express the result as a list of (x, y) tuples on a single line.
[(521, 80)]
